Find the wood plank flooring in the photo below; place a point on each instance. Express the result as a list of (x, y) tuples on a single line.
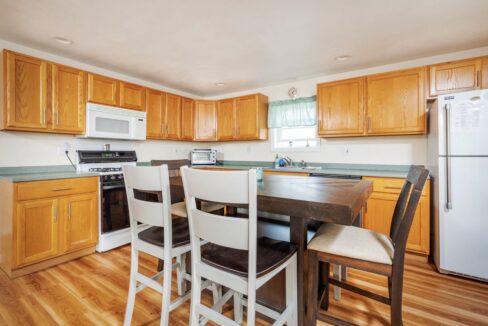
[(93, 291)]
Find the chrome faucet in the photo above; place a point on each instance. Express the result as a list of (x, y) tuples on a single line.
[(288, 160)]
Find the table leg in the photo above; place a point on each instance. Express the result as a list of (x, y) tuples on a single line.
[(337, 275), (298, 235)]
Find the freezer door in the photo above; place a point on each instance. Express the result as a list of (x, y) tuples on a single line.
[(463, 119), (463, 229)]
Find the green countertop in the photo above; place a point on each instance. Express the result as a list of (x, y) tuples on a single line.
[(37, 173), (370, 170)]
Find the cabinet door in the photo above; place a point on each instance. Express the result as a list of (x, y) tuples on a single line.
[(226, 120), (25, 91), (205, 120), (173, 116), (456, 76), (103, 90), (340, 107), (247, 114), (68, 99), (155, 113), (132, 96), (396, 103), (187, 108), (36, 231), (80, 221)]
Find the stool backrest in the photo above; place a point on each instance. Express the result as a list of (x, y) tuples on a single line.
[(152, 180), (228, 187), (406, 206)]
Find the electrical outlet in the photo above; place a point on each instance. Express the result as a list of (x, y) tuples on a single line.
[(66, 147), (347, 151)]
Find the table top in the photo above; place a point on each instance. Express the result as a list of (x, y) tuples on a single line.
[(323, 199)]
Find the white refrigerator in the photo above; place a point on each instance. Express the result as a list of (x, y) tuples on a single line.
[(458, 160)]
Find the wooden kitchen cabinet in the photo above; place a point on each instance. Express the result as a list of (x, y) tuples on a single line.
[(341, 108), (187, 119), (251, 117), (25, 85), (396, 103), (68, 99), (45, 223), (132, 96), (456, 76), (103, 90), (37, 228), (155, 114), (226, 119), (379, 209), (80, 229), (205, 120), (173, 117)]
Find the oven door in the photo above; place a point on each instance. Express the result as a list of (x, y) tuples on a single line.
[(114, 208)]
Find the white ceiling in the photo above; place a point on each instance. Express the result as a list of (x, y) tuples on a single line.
[(191, 45)]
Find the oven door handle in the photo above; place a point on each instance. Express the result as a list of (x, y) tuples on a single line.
[(112, 187)]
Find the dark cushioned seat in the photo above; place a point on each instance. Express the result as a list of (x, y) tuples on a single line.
[(270, 254), (155, 234)]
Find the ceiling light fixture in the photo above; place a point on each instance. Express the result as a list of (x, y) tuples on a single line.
[(219, 84), (63, 40), (343, 58)]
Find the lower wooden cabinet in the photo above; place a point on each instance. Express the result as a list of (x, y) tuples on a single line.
[(80, 229), (378, 212), (36, 227), (50, 222)]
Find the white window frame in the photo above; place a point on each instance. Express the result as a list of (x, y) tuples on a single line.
[(275, 137)]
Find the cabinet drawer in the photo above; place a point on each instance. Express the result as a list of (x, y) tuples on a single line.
[(55, 188), (392, 185)]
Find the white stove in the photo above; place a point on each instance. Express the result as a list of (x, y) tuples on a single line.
[(114, 226)]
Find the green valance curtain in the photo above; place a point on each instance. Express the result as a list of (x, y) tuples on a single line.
[(300, 112)]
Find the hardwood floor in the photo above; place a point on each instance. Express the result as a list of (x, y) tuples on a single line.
[(93, 291)]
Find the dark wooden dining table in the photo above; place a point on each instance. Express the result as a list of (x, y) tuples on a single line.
[(304, 199)]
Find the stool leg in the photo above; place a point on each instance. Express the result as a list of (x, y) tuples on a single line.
[(238, 307), (313, 283), (396, 299), (180, 270), (325, 301), (217, 294), (166, 292), (337, 275), (291, 291), (131, 297), (196, 288)]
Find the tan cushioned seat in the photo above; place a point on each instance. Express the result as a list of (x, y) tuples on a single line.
[(179, 209), (353, 242)]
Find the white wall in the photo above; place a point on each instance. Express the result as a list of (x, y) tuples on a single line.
[(25, 149)]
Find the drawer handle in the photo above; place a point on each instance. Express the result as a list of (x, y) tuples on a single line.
[(392, 187), (62, 189)]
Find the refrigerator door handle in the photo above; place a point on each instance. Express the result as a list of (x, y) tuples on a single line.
[(448, 157)]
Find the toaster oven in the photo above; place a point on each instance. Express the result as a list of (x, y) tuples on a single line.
[(203, 156)]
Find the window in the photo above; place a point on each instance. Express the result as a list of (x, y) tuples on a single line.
[(295, 139)]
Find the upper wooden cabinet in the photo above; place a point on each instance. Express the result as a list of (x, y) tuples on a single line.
[(205, 120), (396, 103), (457, 76), (243, 118), (251, 117), (25, 87), (340, 107), (187, 119), (103, 90), (155, 114), (173, 117), (132, 96), (68, 99), (226, 119)]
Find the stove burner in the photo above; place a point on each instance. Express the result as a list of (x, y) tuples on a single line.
[(105, 169)]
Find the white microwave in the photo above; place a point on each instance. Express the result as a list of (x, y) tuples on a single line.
[(110, 122), (203, 156)]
